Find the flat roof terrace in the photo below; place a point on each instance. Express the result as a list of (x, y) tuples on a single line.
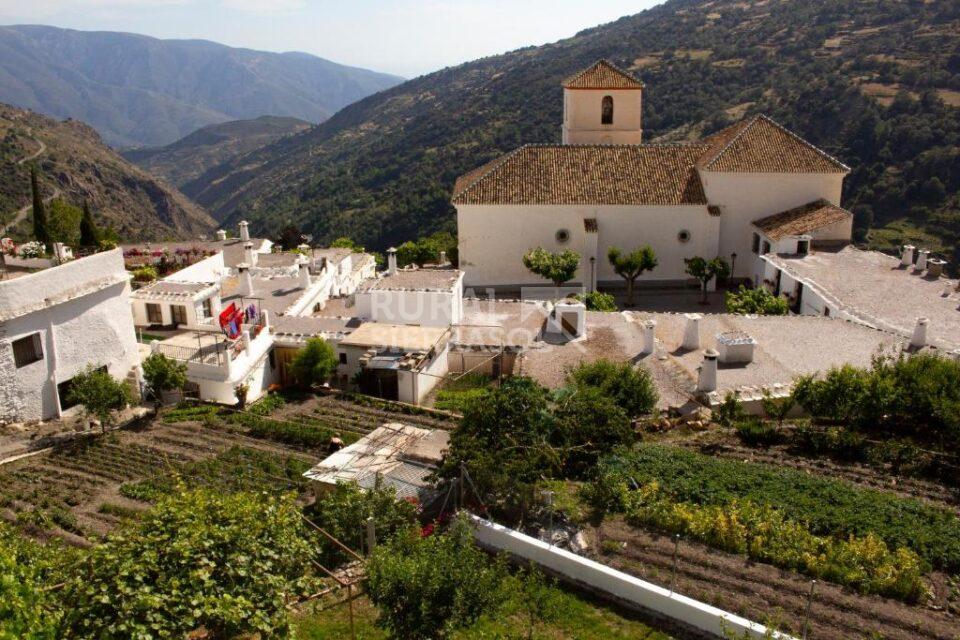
[(875, 289)]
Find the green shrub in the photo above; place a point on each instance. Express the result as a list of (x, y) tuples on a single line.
[(757, 301), (267, 404), (458, 401), (827, 506), (589, 424), (837, 442), (755, 432), (597, 301), (145, 273), (28, 609), (632, 388), (730, 412)]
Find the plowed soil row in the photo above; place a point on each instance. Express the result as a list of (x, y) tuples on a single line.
[(766, 594)]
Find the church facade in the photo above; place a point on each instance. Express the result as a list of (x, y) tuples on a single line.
[(749, 189)]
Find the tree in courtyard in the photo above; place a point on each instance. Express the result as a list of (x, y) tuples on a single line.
[(100, 394), (89, 234), (163, 374), (314, 363), (631, 266), (558, 268), (705, 270), (40, 232), (225, 563), (757, 301), (429, 588)]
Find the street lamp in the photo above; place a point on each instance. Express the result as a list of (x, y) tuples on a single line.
[(733, 266), (593, 262)]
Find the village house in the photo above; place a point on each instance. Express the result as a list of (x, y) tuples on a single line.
[(56, 322), (602, 187)]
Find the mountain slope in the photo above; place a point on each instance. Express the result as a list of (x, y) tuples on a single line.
[(186, 159), (863, 80), (74, 163), (138, 90)]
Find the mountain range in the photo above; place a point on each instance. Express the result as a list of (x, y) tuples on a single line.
[(74, 164), (876, 84), (141, 91)]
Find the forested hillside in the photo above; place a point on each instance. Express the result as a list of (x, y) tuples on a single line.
[(74, 165), (136, 90), (876, 83), (186, 159)]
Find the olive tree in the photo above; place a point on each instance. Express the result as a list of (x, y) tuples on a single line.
[(631, 266), (100, 394)]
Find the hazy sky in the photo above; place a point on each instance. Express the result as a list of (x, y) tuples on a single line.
[(405, 37)]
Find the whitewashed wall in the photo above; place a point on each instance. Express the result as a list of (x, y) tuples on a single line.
[(582, 111), (426, 308), (210, 269)]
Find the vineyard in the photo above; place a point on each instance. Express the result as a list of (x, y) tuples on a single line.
[(82, 490)]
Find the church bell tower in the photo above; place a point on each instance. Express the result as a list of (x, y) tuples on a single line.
[(601, 105)]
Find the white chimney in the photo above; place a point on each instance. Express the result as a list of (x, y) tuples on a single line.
[(304, 275), (245, 231), (443, 257), (265, 318), (919, 338), (649, 336), (691, 335), (391, 261), (922, 256), (935, 267), (248, 255), (246, 280), (906, 257), (221, 234), (245, 336), (707, 381)]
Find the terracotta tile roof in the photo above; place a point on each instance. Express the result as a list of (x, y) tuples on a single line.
[(760, 145), (801, 220), (587, 174), (602, 75)]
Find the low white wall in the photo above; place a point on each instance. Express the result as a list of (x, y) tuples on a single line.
[(585, 572), (211, 269)]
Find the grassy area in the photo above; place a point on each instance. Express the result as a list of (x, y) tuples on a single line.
[(903, 231), (825, 506), (457, 392), (573, 617)]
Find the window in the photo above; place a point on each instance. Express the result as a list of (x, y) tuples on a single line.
[(27, 350), (178, 314), (207, 308), (154, 316), (562, 236), (683, 236), (756, 243), (606, 110), (766, 247), (343, 358), (803, 247)]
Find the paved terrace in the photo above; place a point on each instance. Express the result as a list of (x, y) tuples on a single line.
[(276, 294), (872, 287)]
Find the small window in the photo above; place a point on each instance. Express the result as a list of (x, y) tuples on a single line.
[(154, 315), (563, 236), (766, 247), (683, 236), (756, 243), (27, 350), (178, 314), (207, 308), (606, 115), (343, 358)]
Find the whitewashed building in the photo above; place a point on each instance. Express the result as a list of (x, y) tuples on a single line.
[(54, 324), (602, 188)]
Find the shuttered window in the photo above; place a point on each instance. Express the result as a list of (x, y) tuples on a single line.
[(154, 315), (27, 350)]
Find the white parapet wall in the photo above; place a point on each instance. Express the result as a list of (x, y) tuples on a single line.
[(609, 582)]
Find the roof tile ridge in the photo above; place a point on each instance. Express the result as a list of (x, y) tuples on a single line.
[(495, 165), (576, 76), (751, 121), (807, 143)]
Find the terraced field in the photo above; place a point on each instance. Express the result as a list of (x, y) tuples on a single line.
[(81, 490)]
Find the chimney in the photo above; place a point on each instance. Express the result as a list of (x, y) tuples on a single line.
[(246, 280), (221, 234), (249, 256), (304, 275), (919, 338), (906, 256), (245, 231), (707, 381), (304, 249), (245, 336), (691, 335), (935, 267), (443, 258), (265, 318), (391, 261), (922, 256), (649, 336)]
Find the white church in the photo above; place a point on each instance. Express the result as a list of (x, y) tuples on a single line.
[(749, 189)]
